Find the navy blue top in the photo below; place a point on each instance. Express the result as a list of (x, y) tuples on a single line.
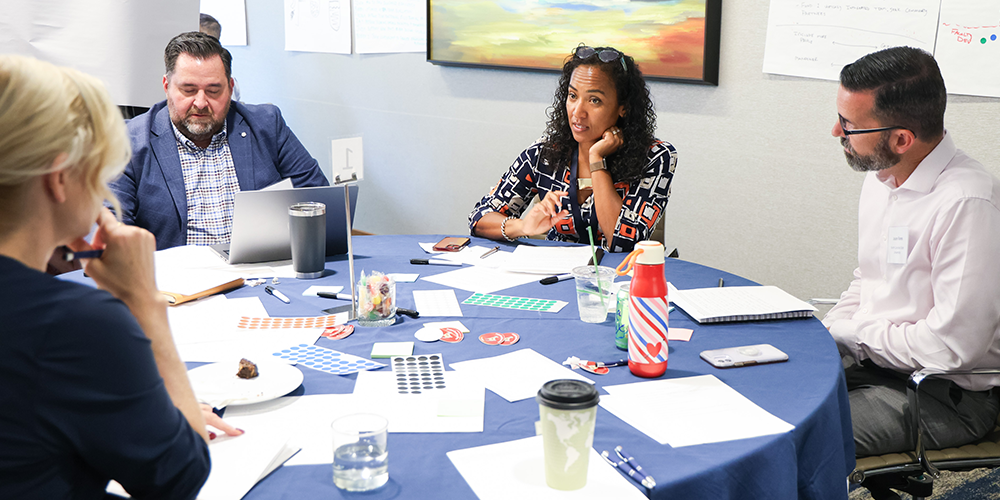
[(81, 400)]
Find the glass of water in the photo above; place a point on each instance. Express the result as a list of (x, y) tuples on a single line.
[(593, 292), (360, 456)]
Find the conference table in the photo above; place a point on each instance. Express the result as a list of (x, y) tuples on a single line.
[(808, 391)]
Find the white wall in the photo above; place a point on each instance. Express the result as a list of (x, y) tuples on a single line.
[(762, 189)]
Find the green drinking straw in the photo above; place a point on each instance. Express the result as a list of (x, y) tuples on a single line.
[(597, 270)]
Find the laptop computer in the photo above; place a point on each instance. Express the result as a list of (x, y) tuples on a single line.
[(260, 223)]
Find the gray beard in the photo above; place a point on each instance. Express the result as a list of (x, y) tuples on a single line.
[(881, 159)]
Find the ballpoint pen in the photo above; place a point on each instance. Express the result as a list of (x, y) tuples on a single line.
[(490, 252), (624, 466), (643, 478), (439, 262), (278, 295), (86, 254)]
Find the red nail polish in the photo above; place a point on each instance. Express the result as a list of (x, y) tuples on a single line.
[(241, 430), (211, 435)]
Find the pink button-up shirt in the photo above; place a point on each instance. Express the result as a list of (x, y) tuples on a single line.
[(939, 306)]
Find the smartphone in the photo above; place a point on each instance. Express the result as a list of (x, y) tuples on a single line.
[(732, 357), (451, 244)]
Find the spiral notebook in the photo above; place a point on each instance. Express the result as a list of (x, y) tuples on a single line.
[(739, 303)]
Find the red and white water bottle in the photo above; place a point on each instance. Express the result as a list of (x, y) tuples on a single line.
[(647, 311)]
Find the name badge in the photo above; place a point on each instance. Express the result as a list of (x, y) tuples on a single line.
[(899, 243)]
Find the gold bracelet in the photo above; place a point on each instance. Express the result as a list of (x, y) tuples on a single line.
[(599, 165)]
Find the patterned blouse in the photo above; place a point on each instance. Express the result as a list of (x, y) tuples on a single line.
[(643, 200)]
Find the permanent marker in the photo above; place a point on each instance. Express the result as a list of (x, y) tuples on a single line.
[(331, 295), (278, 295), (439, 262), (86, 254)]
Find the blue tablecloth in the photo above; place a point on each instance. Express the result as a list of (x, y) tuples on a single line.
[(808, 391)]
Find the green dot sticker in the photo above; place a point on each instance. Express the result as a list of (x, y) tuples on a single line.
[(519, 303)]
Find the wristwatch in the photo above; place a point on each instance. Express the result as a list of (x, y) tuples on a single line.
[(599, 165)]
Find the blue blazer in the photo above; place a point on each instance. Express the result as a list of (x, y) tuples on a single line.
[(151, 190)]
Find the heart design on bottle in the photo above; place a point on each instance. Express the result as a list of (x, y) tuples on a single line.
[(653, 349)]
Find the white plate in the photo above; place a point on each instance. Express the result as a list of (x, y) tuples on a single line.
[(218, 385)]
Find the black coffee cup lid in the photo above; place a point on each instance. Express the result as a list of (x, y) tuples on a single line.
[(568, 394)]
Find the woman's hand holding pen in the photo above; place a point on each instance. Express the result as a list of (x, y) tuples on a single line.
[(126, 267), (545, 214)]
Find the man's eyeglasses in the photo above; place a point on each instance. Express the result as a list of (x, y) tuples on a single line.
[(603, 53), (843, 127)]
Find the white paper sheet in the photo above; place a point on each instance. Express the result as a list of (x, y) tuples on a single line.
[(390, 26), (211, 319), (816, 39), (547, 260), (458, 408), (517, 375), (232, 16), (318, 26), (516, 469), (404, 277), (690, 410), (480, 279), (305, 420), (238, 462), (436, 303)]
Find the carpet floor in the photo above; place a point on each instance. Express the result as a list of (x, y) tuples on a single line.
[(979, 484)]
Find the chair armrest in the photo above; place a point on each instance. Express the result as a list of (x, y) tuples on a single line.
[(913, 396)]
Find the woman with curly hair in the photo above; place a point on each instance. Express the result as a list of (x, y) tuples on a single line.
[(601, 118)]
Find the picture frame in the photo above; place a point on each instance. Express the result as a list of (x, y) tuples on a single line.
[(671, 40)]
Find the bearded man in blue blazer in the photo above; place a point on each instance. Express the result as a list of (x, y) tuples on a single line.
[(194, 151)]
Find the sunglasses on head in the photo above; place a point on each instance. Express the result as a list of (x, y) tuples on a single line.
[(603, 53)]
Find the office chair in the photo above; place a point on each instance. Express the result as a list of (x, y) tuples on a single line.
[(914, 472)]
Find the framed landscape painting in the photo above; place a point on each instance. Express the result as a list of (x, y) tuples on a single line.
[(674, 40)]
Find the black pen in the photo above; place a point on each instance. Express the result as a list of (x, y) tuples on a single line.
[(562, 277), (86, 254), (439, 262), (331, 295), (278, 295), (490, 252)]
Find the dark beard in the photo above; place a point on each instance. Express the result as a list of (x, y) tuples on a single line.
[(881, 159)]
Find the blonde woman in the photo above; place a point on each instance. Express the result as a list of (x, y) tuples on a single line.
[(91, 387)]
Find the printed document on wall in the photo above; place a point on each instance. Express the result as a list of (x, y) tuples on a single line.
[(390, 26), (318, 26), (968, 47), (816, 39), (232, 17)]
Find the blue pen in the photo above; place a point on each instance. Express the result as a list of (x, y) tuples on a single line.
[(643, 478), (86, 254), (624, 466)]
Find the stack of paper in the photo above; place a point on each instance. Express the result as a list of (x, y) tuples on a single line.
[(739, 303), (690, 410), (547, 260), (238, 463)]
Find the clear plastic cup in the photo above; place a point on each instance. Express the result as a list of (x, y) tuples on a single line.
[(360, 455), (593, 292)]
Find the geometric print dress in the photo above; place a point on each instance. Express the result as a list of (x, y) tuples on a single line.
[(643, 200)]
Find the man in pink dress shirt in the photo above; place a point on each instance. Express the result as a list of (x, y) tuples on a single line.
[(926, 293)]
